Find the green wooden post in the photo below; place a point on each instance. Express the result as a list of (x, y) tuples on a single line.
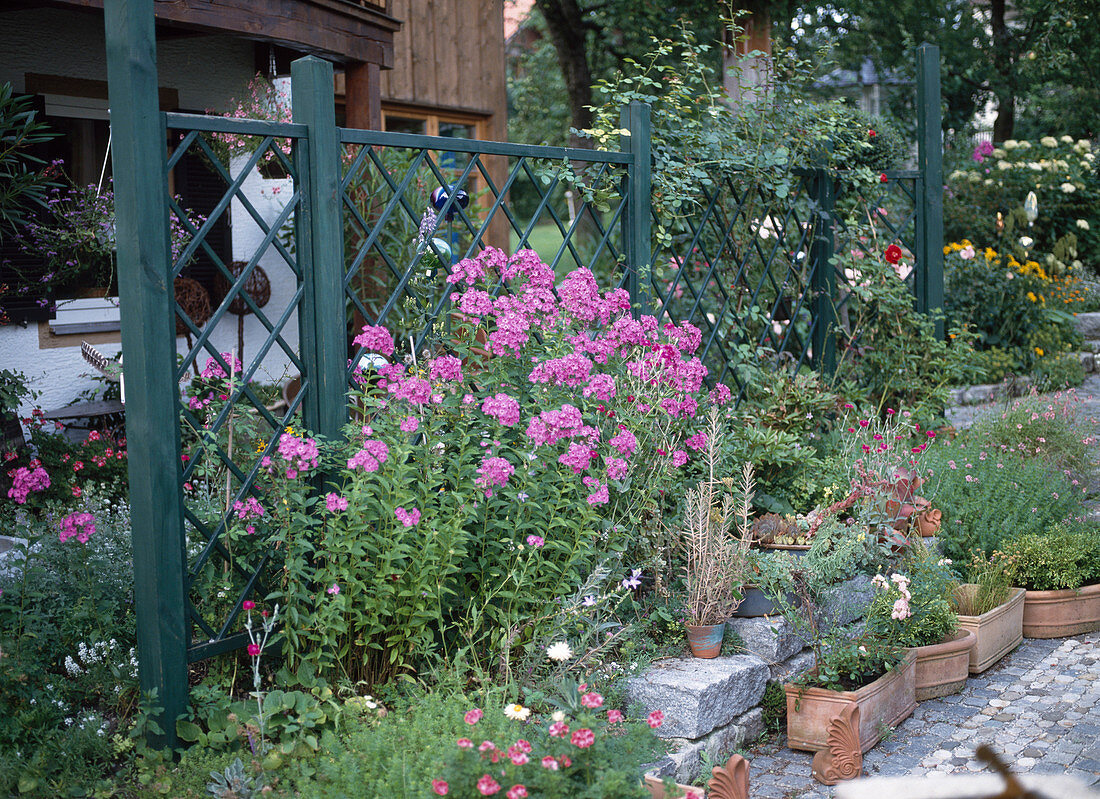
[(929, 276), (824, 275), (635, 118), (321, 318), (149, 348)]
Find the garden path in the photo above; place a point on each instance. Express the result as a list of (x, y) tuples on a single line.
[(1039, 707)]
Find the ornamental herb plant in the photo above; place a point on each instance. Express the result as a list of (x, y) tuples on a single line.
[(988, 582)]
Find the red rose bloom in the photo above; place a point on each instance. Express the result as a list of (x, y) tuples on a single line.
[(892, 254)]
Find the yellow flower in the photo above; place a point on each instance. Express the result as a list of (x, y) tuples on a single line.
[(1039, 351), (1031, 296)]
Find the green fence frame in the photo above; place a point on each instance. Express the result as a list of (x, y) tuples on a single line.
[(165, 617)]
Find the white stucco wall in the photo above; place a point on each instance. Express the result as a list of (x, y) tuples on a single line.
[(206, 71)]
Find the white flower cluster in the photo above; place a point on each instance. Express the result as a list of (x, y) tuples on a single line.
[(102, 653)]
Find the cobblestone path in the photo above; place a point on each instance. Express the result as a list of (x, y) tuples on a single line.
[(1039, 708)]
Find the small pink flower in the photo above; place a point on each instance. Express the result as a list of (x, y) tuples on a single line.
[(583, 738), (864, 422), (487, 786), (473, 716), (440, 787), (486, 746), (559, 729), (523, 746), (614, 716), (407, 518), (655, 719), (517, 792), (536, 541), (248, 604), (333, 589), (410, 424), (253, 650), (465, 743), (592, 700), (549, 763)]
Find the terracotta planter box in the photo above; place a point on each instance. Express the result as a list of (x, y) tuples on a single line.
[(883, 704), (942, 668), (657, 790), (1059, 614), (999, 631)]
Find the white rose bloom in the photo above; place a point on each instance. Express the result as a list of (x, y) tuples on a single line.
[(1068, 188), (1048, 141), (1026, 241), (559, 651), (1066, 139), (1011, 144), (1083, 224)]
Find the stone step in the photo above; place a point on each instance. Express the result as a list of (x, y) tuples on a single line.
[(698, 696), (1091, 345), (1088, 324)]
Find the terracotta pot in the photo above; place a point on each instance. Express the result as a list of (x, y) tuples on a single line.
[(928, 522), (999, 631), (883, 704), (657, 790), (942, 668), (705, 640), (1058, 614)]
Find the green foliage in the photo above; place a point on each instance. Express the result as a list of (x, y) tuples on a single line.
[(989, 583), (994, 365), (1066, 556), (13, 390), (1050, 429), (773, 708), (989, 495), (1059, 371), (24, 178)]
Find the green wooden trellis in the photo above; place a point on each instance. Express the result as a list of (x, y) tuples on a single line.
[(170, 543)]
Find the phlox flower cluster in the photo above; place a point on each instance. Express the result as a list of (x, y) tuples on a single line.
[(494, 471), (503, 408), (214, 370), (80, 526), (408, 518), (375, 338), (370, 457), (26, 479), (336, 503), (300, 454)]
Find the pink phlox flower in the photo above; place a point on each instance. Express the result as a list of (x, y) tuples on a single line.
[(414, 390), (301, 454), (407, 518), (550, 427), (27, 479), (624, 442), (371, 457), (616, 467), (410, 424), (600, 496), (679, 458), (333, 590), (446, 368), (77, 525), (494, 471), (720, 395), (577, 457), (571, 370), (248, 509), (601, 385), (336, 503), (214, 370), (503, 408), (536, 541), (375, 338), (474, 302), (686, 336), (697, 441), (510, 334), (579, 295)]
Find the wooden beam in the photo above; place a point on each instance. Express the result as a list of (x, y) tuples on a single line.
[(338, 30), (363, 98), (35, 83)]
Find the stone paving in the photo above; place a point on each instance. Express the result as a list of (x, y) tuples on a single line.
[(1039, 708)]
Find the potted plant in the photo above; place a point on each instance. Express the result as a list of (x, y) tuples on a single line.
[(991, 608), (865, 670), (913, 609), (715, 549), (1061, 571)]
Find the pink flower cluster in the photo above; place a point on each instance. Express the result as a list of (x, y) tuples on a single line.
[(214, 370), (408, 518), (370, 457), (300, 454), (80, 526), (494, 472), (336, 503), (375, 338), (503, 408), (27, 479), (901, 610), (250, 508), (446, 368)]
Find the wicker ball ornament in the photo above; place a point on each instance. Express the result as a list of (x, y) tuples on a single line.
[(194, 301), (257, 287)]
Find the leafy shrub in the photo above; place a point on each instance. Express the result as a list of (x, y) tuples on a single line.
[(1059, 371), (990, 583), (847, 663), (989, 495), (1067, 556)]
